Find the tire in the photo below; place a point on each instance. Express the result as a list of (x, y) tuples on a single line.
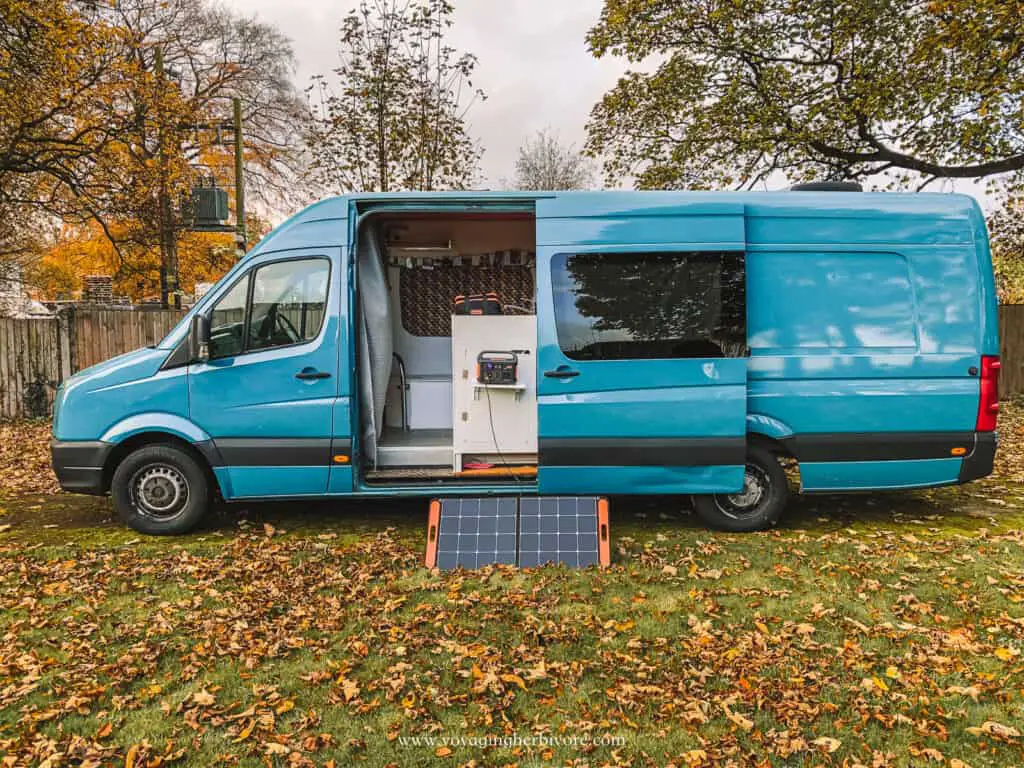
[(160, 490), (743, 512)]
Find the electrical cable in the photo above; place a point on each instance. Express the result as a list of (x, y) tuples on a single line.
[(494, 436)]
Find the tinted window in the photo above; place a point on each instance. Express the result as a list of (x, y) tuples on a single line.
[(227, 321), (288, 301), (650, 305)]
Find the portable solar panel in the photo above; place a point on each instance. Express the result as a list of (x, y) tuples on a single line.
[(531, 531)]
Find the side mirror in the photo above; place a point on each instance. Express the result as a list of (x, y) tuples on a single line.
[(199, 339)]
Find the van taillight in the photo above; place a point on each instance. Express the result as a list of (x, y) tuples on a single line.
[(988, 406)]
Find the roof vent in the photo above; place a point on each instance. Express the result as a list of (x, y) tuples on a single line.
[(827, 186)]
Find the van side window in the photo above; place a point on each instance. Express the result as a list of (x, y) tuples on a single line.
[(288, 302), (642, 306), (227, 321)]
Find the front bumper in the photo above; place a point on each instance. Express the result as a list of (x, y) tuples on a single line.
[(79, 464), (980, 461)]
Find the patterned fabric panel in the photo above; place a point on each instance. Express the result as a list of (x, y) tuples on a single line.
[(427, 295)]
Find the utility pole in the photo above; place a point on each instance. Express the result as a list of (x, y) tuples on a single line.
[(169, 294), (240, 236)]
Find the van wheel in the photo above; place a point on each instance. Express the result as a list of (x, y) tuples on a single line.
[(757, 506), (160, 490)]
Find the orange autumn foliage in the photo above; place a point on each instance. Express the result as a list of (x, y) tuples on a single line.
[(85, 250)]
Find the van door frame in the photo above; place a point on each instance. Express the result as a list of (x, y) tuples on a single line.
[(360, 211)]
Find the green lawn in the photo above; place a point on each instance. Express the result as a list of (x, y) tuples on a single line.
[(873, 630)]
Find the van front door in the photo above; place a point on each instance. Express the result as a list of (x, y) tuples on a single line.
[(641, 368), (266, 395)]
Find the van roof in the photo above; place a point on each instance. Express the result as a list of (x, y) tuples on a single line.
[(318, 224)]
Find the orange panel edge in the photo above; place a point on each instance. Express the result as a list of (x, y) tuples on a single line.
[(433, 522), (604, 537)]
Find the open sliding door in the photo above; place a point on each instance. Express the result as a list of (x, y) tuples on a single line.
[(641, 364)]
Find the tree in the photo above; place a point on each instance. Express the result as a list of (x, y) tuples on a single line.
[(190, 58), (1006, 232), (544, 163), (919, 90), (59, 72), (93, 132), (396, 118)]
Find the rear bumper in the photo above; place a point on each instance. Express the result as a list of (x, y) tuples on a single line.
[(78, 465), (978, 463)]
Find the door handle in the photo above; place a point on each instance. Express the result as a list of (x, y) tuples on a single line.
[(307, 374), (561, 372)]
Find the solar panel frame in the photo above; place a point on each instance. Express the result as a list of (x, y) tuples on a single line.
[(529, 532)]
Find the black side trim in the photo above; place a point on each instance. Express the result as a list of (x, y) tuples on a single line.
[(78, 464), (341, 445), (877, 446), (274, 452), (209, 450), (980, 461), (642, 451)]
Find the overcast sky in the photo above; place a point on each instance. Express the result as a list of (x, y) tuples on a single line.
[(534, 67)]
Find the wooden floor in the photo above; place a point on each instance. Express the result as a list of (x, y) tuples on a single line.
[(410, 473), (428, 474)]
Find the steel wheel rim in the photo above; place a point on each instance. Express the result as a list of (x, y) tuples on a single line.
[(756, 485), (159, 491)]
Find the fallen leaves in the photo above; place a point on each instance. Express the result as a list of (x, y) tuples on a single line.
[(25, 464), (867, 644), (996, 730)]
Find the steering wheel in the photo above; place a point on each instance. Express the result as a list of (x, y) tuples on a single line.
[(274, 320), (287, 327)]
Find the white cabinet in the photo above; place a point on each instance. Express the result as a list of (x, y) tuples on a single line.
[(499, 422)]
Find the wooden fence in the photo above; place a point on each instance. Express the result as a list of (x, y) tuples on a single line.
[(101, 334), (36, 355), (1011, 349)]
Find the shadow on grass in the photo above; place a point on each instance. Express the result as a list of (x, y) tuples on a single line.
[(963, 509)]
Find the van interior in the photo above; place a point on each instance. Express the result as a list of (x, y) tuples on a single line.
[(446, 347)]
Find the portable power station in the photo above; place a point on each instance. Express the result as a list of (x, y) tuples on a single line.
[(494, 367)]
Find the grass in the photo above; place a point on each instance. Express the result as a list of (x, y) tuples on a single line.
[(874, 630)]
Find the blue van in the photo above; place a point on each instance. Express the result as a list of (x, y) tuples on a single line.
[(587, 343)]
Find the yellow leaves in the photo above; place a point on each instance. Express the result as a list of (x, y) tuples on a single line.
[(285, 706), (995, 730), (131, 756), (874, 683), (442, 752), (246, 732), (827, 744), (514, 680), (928, 752), (744, 722), (203, 698), (349, 688), (1006, 654), (972, 691)]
